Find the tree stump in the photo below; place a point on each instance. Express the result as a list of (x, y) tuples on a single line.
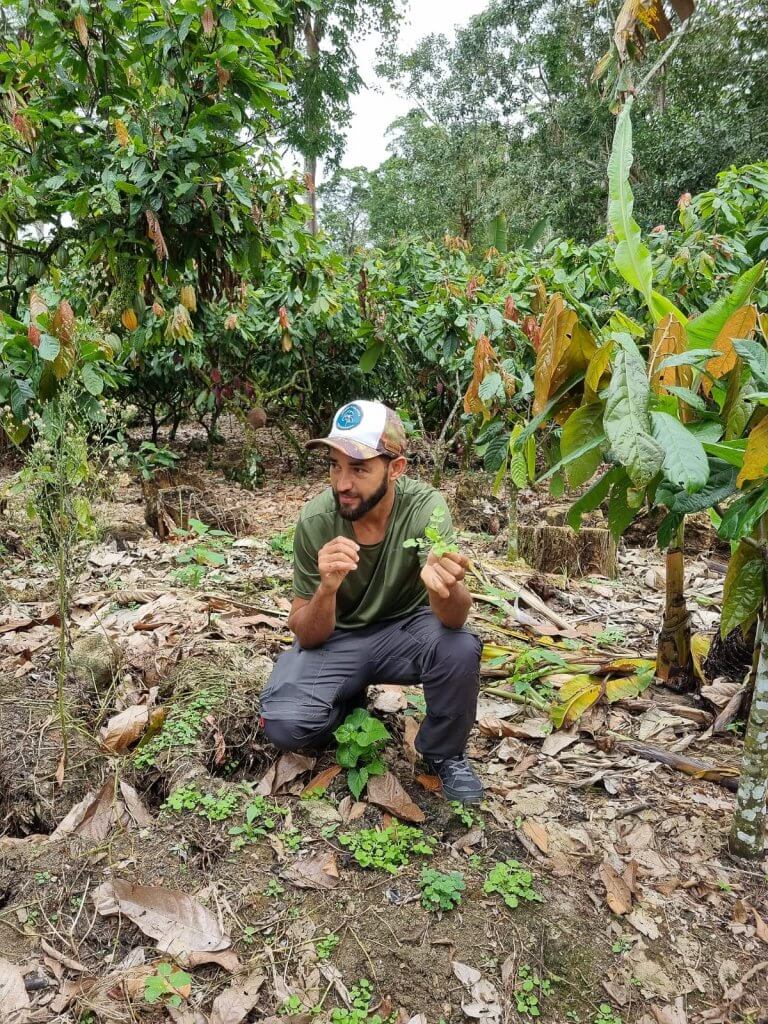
[(554, 547)]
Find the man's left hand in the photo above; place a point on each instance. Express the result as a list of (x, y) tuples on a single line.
[(440, 575)]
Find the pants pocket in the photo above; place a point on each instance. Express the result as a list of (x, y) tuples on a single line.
[(296, 687)]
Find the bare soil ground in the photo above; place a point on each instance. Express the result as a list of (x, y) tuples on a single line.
[(641, 909)]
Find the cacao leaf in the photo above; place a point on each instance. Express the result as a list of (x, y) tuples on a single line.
[(551, 366), (620, 513), (685, 461), (743, 589), (593, 497), (581, 427), (155, 234), (669, 339), (599, 365), (740, 324), (581, 694), (756, 357), (484, 359), (626, 420), (704, 329), (755, 465)]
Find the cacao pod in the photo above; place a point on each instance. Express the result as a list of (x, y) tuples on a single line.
[(129, 320), (188, 299), (257, 418), (286, 341)]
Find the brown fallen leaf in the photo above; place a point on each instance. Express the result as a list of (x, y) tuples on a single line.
[(227, 959), (674, 1014), (618, 894), (135, 806), (126, 727), (14, 1001), (537, 833), (287, 767), (761, 928), (410, 729), (431, 783), (235, 1003), (318, 872), (322, 780), (351, 810), (385, 791), (94, 816), (177, 922)]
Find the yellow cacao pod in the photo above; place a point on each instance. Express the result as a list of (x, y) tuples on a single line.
[(187, 298), (129, 320)]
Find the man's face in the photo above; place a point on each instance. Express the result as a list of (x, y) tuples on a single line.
[(358, 486)]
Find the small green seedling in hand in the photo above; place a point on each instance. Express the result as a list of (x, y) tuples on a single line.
[(441, 891), (167, 985), (361, 738), (433, 537)]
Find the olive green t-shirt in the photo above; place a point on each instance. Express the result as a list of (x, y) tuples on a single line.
[(386, 583)]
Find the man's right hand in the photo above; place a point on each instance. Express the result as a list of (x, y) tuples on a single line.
[(334, 560)]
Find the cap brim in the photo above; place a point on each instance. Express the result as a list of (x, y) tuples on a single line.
[(354, 449)]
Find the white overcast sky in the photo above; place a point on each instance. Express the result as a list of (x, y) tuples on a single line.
[(377, 105)]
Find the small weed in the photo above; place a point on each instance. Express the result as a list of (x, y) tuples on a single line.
[(361, 738), (249, 935), (475, 861), (149, 459), (513, 882), (387, 849), (465, 816), (291, 838), (44, 878), (261, 816), (611, 635), (213, 808), (529, 991), (273, 889), (282, 543), (326, 946), (292, 1005), (621, 946), (606, 1015), (724, 886), (736, 727), (190, 575), (441, 891), (167, 985), (209, 553), (360, 1011), (183, 727)]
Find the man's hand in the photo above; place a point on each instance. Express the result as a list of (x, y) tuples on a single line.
[(440, 575), (334, 560)]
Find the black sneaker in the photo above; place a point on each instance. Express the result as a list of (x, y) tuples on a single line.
[(459, 778)]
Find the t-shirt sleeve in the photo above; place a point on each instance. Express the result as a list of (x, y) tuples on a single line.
[(445, 526), (306, 578)]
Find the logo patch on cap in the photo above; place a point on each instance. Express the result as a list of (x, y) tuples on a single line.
[(351, 416)]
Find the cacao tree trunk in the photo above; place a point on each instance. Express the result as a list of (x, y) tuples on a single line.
[(313, 30), (748, 828), (673, 656), (512, 493)]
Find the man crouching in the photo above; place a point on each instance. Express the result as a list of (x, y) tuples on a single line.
[(367, 609)]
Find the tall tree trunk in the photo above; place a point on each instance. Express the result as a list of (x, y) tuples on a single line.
[(673, 657), (312, 33), (748, 828)]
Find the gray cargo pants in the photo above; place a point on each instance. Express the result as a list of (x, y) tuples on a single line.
[(310, 692)]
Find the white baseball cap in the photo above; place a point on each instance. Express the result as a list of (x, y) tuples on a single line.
[(364, 430)]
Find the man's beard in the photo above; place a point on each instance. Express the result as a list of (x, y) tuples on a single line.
[(365, 505)]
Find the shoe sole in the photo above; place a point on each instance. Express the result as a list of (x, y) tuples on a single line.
[(476, 799)]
